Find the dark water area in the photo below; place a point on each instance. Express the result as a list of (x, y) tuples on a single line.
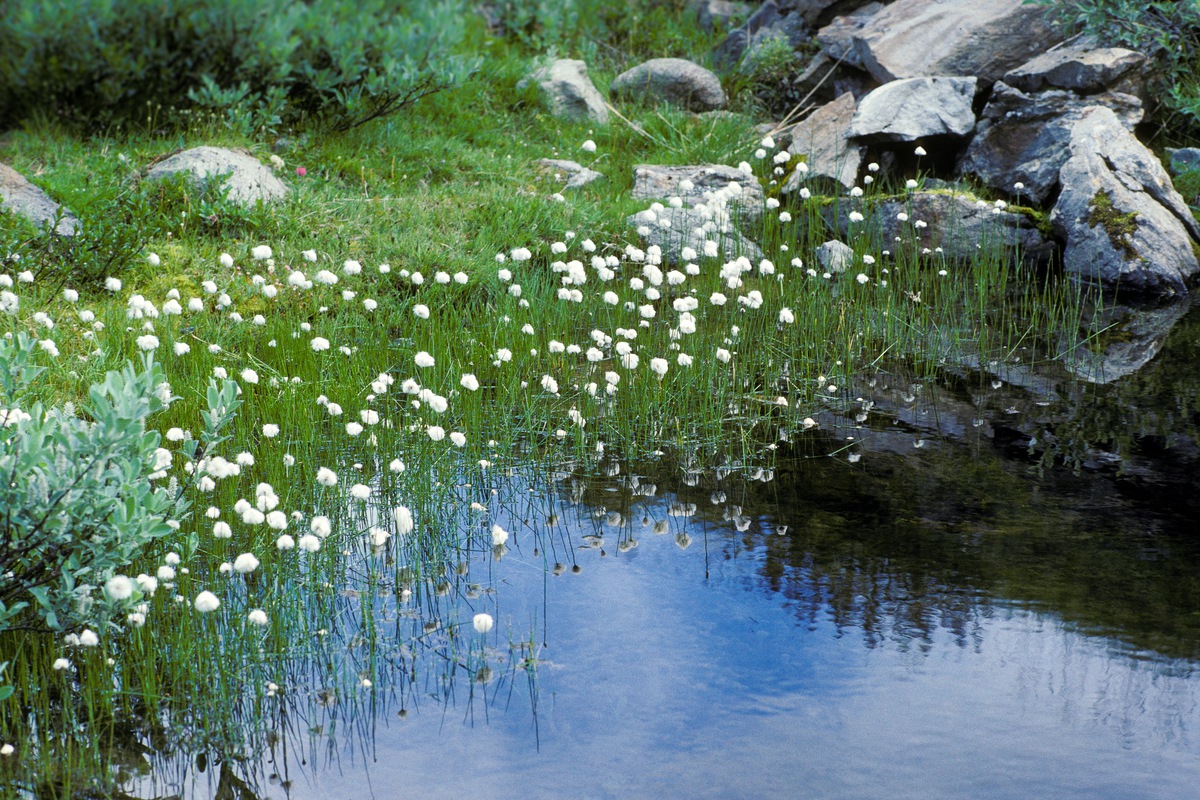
[(982, 582)]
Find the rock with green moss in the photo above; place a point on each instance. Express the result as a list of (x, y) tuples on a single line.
[(1124, 224), (953, 219)]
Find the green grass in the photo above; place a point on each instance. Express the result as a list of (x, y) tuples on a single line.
[(443, 188)]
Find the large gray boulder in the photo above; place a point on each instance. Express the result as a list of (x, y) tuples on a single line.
[(672, 80), (1023, 138), (568, 92), (1083, 67), (673, 229), (915, 38), (702, 184), (913, 108), (20, 196), (247, 181), (958, 222), (820, 139), (1123, 223)]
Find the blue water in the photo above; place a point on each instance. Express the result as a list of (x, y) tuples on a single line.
[(713, 671)]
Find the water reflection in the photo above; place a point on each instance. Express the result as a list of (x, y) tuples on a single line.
[(921, 621)]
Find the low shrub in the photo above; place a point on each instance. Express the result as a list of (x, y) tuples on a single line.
[(258, 64)]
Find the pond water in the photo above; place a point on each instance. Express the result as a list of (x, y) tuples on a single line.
[(977, 583)]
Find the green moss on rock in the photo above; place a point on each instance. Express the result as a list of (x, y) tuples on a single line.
[(1119, 227)]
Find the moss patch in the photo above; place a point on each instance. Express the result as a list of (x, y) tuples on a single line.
[(1119, 227)]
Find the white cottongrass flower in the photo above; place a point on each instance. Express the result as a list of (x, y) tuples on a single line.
[(659, 366), (221, 530), (260, 253), (320, 343), (483, 623), (119, 587), (360, 491), (205, 602), (421, 310), (309, 543), (396, 466), (59, 664), (354, 428), (112, 284), (786, 316), (499, 536), (270, 431), (459, 439), (245, 563), (423, 359), (147, 342), (321, 526), (403, 519), (469, 382), (327, 477), (723, 355), (285, 542), (588, 146), (436, 433), (249, 375), (257, 617)]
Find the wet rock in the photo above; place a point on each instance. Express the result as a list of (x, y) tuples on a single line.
[(956, 221), (711, 185), (568, 92), (673, 229), (1134, 336), (247, 181), (915, 108), (20, 196), (672, 80), (835, 256), (821, 141), (1123, 222), (916, 38), (575, 174), (1024, 137), (1085, 68)]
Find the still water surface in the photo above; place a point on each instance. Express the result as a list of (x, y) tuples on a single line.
[(899, 638)]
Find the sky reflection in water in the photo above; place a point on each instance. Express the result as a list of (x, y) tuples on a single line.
[(658, 681)]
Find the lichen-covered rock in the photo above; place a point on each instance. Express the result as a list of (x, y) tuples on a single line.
[(673, 229), (1123, 222), (914, 108), (959, 223), (1023, 138), (702, 184), (575, 174), (917, 38), (247, 181), (568, 92), (672, 80), (820, 139), (20, 196)]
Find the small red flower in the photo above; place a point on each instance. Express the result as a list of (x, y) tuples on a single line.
[(301, 171)]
